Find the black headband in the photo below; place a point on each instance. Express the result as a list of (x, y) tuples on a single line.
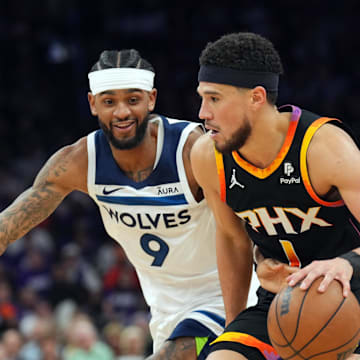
[(244, 79)]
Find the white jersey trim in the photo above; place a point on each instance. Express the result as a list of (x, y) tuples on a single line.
[(160, 140), (180, 164), (91, 164)]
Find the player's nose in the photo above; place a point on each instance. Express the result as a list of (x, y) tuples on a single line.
[(204, 112), (122, 111)]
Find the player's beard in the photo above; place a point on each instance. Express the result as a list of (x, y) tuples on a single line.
[(130, 143), (237, 140)]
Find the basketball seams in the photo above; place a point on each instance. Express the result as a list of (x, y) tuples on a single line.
[(337, 348), (288, 344), (299, 310), (297, 323), (318, 333)]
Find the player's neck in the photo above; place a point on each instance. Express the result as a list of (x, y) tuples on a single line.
[(266, 139)]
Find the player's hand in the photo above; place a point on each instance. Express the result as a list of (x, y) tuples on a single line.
[(354, 357), (272, 274), (332, 269)]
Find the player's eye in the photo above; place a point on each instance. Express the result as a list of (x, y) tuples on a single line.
[(108, 101), (133, 100)]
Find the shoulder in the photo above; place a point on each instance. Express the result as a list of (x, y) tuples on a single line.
[(331, 141), (203, 150), (203, 161), (75, 154), (67, 167), (194, 135), (331, 155)]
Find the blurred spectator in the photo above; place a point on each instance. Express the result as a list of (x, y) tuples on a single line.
[(78, 271), (12, 342), (41, 328), (107, 256), (111, 334), (3, 355), (50, 348), (121, 268), (8, 310), (28, 300), (124, 299), (141, 319), (122, 293), (34, 271), (63, 288), (132, 343), (83, 342), (64, 314)]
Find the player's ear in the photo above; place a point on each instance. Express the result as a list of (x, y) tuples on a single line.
[(91, 99), (152, 99), (258, 95)]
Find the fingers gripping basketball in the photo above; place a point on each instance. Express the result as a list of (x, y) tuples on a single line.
[(312, 325)]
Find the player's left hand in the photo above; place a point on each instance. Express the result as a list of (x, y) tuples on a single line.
[(332, 269), (272, 274)]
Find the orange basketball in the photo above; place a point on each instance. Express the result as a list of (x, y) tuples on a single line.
[(306, 324)]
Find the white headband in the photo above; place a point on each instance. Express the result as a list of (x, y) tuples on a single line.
[(120, 78)]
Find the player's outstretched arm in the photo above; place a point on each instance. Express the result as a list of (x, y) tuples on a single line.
[(233, 246), (60, 175)]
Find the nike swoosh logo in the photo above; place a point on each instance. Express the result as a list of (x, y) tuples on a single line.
[(107, 192)]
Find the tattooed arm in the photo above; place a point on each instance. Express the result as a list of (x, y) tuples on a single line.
[(64, 172), (181, 348)]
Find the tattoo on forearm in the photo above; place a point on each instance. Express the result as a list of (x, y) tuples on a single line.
[(179, 349), (31, 207)]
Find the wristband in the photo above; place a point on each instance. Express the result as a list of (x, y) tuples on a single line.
[(354, 259)]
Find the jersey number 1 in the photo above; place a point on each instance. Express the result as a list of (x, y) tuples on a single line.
[(290, 253)]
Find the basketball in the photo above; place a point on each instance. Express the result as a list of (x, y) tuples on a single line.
[(306, 324)]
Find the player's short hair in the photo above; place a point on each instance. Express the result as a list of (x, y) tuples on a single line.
[(127, 58), (246, 52)]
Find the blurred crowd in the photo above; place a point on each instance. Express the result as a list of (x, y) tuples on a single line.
[(67, 291)]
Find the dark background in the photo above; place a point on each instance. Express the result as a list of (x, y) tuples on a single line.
[(46, 51), (48, 47)]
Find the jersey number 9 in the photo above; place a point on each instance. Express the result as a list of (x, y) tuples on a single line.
[(158, 250)]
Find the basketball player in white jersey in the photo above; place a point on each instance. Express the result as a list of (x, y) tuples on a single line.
[(137, 170)]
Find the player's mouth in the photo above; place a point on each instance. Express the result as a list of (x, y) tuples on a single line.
[(122, 127), (213, 134), (212, 130)]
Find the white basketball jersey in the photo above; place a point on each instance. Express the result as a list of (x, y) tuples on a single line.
[(166, 234)]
